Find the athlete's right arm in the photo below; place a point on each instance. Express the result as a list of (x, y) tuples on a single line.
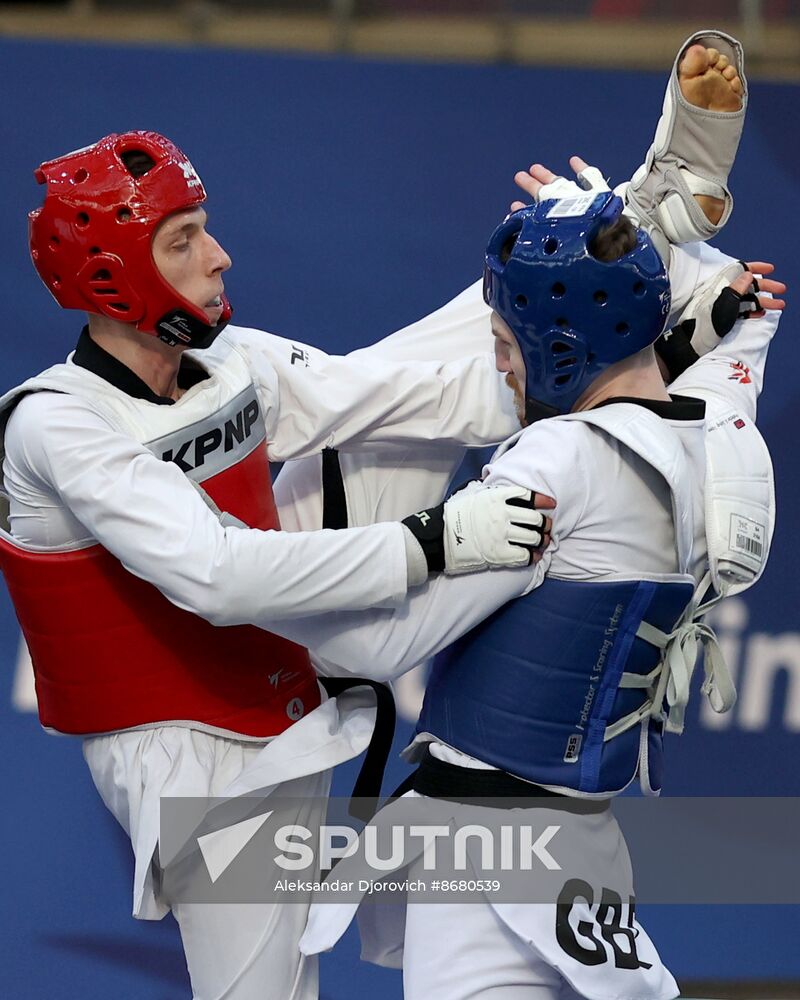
[(63, 455), (59, 453), (384, 643)]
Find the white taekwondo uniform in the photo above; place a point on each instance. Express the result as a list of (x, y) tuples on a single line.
[(616, 519), (83, 465)]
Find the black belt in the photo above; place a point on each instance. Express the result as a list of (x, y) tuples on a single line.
[(439, 779), (334, 498), (370, 777), (367, 789)]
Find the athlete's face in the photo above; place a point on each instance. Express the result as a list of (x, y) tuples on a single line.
[(508, 359), (191, 260)]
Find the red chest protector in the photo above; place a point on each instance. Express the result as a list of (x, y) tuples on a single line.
[(110, 652)]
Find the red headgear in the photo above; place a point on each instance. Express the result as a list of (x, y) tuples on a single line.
[(91, 241)]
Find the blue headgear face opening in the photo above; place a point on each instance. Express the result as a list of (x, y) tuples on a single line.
[(572, 315)]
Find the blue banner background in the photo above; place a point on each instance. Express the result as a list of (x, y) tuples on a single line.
[(355, 196)]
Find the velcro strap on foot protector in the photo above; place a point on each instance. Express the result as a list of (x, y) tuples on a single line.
[(692, 153)]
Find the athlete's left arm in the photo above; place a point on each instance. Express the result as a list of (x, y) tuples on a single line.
[(459, 328), (313, 400), (734, 370)]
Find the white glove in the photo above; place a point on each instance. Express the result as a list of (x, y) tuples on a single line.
[(714, 310), (589, 179), (491, 526), (715, 307)]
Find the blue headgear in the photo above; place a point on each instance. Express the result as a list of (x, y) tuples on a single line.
[(572, 315)]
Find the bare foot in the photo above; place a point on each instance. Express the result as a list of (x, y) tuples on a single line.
[(708, 80)]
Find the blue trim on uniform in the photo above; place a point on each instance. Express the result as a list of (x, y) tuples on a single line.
[(591, 757)]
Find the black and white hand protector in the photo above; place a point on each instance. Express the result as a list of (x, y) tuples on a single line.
[(491, 526), (710, 315), (480, 527)]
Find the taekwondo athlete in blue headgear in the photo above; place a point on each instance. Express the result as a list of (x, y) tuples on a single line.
[(563, 679), (573, 315)]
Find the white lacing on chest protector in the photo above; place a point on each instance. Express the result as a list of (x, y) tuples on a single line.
[(670, 681)]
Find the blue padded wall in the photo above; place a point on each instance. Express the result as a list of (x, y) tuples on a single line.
[(355, 196)]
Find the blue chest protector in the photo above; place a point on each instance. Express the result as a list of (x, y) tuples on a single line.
[(534, 689), (566, 686)]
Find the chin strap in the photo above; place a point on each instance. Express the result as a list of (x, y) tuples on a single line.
[(534, 410), (179, 327)]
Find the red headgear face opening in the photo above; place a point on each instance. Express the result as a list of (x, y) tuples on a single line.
[(91, 241)]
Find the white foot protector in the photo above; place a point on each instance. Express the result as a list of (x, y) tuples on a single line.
[(692, 153)]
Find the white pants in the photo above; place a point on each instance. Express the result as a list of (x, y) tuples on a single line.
[(249, 951), (583, 943), (246, 951), (464, 952), (234, 951)]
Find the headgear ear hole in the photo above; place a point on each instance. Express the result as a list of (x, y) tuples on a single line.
[(137, 162), (508, 247)]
